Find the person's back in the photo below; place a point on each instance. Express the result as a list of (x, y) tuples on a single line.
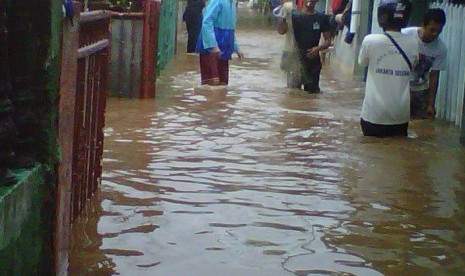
[(387, 91), (390, 58)]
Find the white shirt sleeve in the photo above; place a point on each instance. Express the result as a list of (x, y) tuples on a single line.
[(363, 56), (440, 61)]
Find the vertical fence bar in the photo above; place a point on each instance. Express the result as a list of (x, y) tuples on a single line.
[(79, 109), (104, 91), (461, 105), (66, 119), (92, 79), (149, 49), (451, 91), (462, 133)]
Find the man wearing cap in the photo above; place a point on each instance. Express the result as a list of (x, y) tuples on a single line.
[(390, 58)]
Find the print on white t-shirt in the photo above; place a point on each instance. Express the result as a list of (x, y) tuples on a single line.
[(432, 57), (387, 93)]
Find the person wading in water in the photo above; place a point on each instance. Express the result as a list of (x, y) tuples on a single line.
[(193, 18), (217, 41), (308, 25)]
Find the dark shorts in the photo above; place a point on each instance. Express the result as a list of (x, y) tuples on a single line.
[(311, 69), (370, 129)]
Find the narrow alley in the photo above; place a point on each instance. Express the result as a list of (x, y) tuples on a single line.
[(257, 179)]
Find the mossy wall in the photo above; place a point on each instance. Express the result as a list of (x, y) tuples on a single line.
[(27, 209), (21, 229)]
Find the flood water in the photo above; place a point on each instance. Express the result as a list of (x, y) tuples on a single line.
[(262, 180)]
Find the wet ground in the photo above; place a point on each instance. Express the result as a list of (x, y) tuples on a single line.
[(261, 180)]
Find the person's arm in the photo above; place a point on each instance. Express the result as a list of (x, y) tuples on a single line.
[(282, 26), (208, 34), (433, 88), (363, 57), (236, 49), (325, 45), (326, 32), (439, 64)]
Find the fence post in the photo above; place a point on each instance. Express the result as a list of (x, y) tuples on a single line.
[(66, 110), (149, 49), (145, 85)]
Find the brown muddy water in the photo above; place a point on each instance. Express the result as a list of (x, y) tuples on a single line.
[(261, 180)]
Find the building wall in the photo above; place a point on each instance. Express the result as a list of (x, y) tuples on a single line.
[(21, 232), (27, 208)]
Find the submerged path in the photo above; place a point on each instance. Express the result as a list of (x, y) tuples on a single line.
[(261, 180)]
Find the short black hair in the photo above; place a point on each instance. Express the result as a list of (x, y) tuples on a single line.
[(435, 15)]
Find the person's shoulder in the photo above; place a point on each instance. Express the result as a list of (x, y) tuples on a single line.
[(408, 41), (441, 46), (373, 38), (410, 31), (212, 2), (405, 38)]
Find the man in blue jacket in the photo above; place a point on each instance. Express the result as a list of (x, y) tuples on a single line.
[(217, 41)]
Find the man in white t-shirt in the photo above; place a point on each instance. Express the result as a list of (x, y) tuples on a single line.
[(386, 106), (433, 53)]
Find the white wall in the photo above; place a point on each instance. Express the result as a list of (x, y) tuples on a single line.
[(375, 28), (344, 57)]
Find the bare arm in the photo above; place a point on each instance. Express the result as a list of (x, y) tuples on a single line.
[(282, 26), (327, 42), (316, 50), (433, 88)]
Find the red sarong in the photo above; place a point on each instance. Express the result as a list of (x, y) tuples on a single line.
[(213, 71)]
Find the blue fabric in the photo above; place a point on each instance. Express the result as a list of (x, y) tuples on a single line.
[(219, 22), (225, 41), (69, 8)]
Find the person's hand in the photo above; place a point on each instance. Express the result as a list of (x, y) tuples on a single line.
[(239, 54), (430, 112), (313, 52), (216, 51)]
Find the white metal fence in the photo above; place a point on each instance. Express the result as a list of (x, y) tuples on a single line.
[(450, 96)]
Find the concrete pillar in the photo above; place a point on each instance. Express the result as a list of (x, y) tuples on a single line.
[(364, 29)]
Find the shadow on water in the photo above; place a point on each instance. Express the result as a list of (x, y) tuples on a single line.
[(257, 179)]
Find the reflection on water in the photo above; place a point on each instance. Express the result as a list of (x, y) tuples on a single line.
[(260, 180)]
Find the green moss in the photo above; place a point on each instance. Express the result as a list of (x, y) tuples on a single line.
[(27, 209), (21, 230)]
